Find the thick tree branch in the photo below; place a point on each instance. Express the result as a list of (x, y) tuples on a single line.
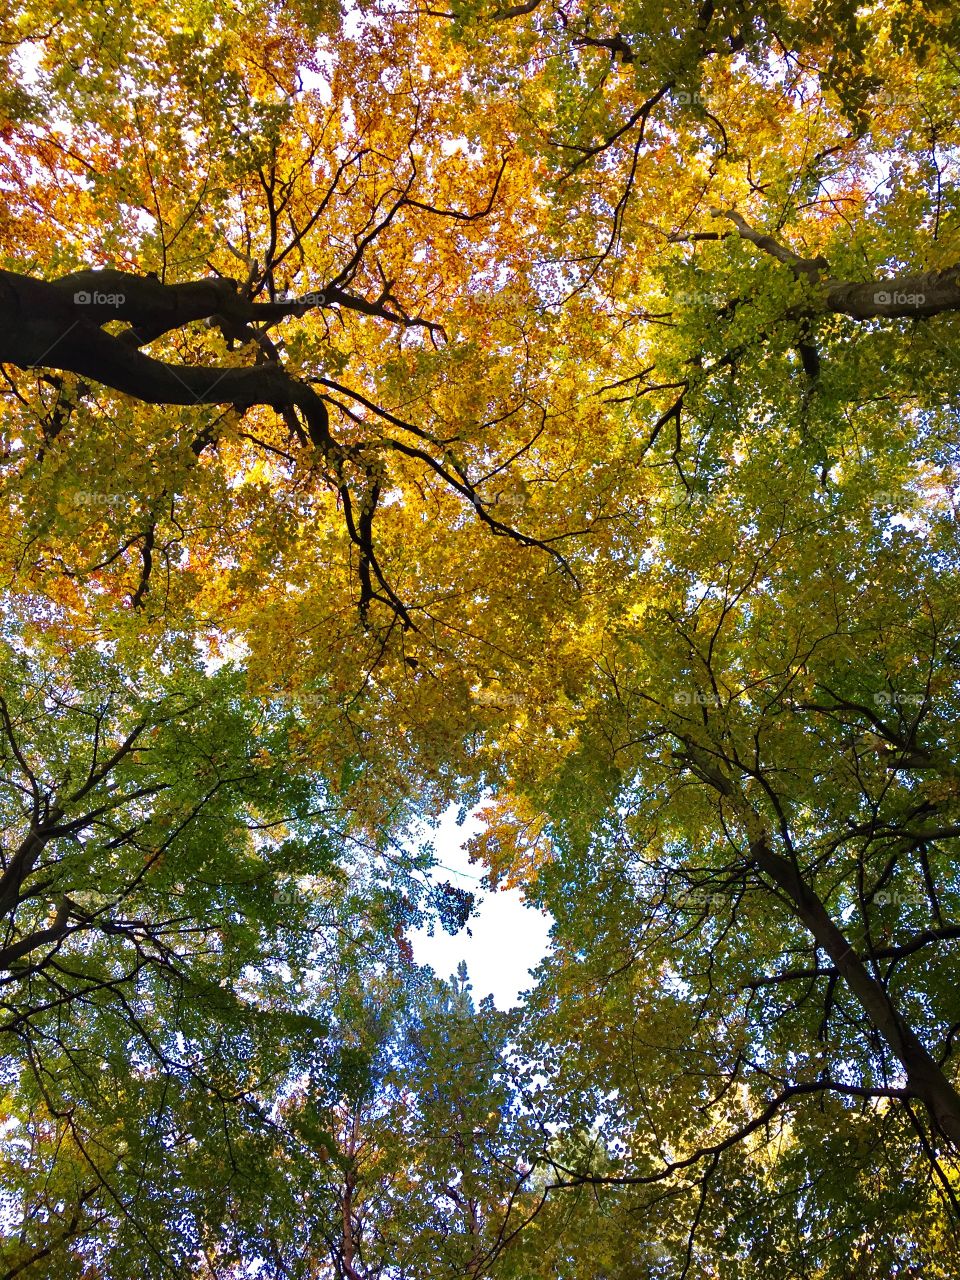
[(924, 1076), (911, 296), (53, 933), (41, 325)]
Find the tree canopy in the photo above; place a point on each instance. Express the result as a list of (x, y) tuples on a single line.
[(548, 407)]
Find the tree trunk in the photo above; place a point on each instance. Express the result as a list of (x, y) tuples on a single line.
[(924, 1077)]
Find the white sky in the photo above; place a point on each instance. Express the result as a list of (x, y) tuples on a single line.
[(508, 939)]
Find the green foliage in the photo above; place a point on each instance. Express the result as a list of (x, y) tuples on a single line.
[(630, 510)]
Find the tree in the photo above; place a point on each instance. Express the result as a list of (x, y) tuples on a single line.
[(420, 1135), (171, 888), (764, 919), (548, 402)]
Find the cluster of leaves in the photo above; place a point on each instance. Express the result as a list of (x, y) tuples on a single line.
[(561, 441)]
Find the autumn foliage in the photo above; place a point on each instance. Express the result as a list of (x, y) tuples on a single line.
[(547, 408)]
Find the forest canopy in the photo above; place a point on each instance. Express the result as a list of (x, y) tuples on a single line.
[(548, 409)]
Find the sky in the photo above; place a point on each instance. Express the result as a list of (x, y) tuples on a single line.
[(508, 939)]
